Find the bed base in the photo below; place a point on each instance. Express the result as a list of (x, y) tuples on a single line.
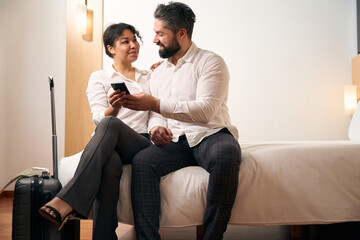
[(296, 232)]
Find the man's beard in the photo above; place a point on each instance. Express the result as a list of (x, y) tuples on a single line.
[(169, 51)]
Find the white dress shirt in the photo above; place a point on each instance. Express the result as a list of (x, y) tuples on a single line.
[(193, 96), (98, 91)]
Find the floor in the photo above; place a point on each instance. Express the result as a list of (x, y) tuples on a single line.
[(346, 231)]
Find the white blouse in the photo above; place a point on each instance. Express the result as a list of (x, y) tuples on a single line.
[(98, 91)]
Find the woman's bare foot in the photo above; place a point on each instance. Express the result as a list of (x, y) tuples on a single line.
[(60, 205)]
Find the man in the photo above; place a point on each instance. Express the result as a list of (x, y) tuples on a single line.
[(190, 125)]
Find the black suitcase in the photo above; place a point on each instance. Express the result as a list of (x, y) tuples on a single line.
[(31, 193)]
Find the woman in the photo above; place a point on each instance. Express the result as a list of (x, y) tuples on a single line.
[(115, 142)]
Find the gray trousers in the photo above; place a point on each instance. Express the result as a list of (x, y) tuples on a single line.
[(219, 154), (97, 177)]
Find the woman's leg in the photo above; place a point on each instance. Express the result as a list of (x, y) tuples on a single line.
[(110, 134), (105, 214)]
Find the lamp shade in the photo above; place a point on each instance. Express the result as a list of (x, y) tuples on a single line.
[(81, 18), (350, 98)]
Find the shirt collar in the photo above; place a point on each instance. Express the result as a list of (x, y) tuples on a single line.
[(111, 72), (189, 55)]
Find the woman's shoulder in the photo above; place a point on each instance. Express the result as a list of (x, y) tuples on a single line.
[(99, 76), (99, 73)]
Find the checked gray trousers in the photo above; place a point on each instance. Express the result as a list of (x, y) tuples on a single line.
[(219, 154)]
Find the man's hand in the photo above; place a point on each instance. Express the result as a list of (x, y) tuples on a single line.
[(155, 65), (142, 102), (160, 135)]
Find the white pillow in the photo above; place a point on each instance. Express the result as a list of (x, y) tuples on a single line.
[(67, 168), (354, 129)]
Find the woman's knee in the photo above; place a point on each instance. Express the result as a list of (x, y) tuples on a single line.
[(111, 123), (106, 120)]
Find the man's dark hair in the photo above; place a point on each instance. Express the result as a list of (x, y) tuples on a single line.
[(176, 15), (114, 31)]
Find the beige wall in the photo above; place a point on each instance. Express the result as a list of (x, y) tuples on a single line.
[(82, 58), (2, 95), (356, 74), (32, 47)]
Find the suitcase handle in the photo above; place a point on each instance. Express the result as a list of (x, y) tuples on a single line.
[(54, 137)]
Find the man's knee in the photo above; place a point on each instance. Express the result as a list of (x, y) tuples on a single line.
[(146, 161), (141, 158), (227, 155)]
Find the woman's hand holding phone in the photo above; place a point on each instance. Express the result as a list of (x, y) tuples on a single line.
[(116, 99)]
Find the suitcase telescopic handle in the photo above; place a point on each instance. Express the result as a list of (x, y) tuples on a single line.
[(53, 120)]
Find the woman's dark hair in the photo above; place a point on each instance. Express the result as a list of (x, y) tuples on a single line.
[(114, 31), (176, 15)]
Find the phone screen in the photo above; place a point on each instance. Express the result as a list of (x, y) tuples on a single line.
[(121, 86)]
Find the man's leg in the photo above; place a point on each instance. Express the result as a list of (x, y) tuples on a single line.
[(220, 155), (148, 166), (105, 214)]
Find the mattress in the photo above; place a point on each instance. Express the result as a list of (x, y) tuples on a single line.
[(280, 183)]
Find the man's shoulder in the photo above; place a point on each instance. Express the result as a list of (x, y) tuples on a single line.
[(204, 55), (206, 52)]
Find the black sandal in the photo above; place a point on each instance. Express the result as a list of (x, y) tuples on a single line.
[(56, 219)]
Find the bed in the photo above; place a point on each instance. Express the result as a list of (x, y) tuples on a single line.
[(280, 183)]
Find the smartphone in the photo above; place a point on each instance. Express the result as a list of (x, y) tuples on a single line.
[(121, 86)]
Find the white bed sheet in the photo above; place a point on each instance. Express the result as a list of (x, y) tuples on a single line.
[(280, 183)]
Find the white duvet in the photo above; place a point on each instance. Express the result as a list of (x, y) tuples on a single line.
[(280, 183)]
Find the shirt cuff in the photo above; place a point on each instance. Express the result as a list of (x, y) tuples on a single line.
[(166, 107), (97, 117)]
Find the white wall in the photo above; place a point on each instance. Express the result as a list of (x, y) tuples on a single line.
[(288, 60), (32, 48)]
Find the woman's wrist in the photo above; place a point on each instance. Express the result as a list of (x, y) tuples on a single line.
[(111, 111)]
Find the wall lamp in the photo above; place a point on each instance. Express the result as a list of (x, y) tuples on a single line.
[(350, 98), (84, 21)]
